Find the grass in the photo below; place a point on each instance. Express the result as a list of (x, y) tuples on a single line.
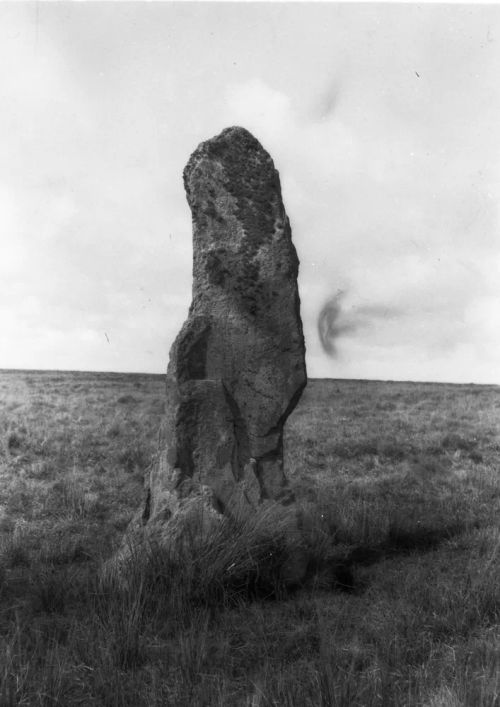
[(399, 490)]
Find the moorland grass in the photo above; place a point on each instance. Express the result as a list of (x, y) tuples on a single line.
[(400, 494)]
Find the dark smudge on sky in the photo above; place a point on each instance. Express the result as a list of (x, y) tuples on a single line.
[(329, 326), (333, 322)]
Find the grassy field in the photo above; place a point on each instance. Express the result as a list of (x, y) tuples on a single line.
[(400, 486)]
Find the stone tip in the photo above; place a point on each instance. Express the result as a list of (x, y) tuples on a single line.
[(234, 140), (236, 132)]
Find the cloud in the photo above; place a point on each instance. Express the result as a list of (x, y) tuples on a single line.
[(260, 108)]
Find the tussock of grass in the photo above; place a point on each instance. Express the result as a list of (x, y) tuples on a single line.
[(216, 563)]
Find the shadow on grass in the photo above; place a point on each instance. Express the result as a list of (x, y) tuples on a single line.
[(339, 574)]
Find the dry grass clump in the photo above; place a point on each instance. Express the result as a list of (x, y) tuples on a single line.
[(212, 562)]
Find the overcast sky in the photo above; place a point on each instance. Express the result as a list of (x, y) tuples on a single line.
[(383, 121)]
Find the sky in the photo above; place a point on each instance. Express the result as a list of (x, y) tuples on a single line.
[(382, 120)]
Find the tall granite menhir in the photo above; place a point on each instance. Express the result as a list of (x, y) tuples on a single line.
[(237, 367)]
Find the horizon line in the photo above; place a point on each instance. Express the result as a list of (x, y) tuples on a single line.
[(309, 378)]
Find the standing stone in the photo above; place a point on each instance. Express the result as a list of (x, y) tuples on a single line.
[(237, 367)]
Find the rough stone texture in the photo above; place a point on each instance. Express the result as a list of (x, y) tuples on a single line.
[(237, 367)]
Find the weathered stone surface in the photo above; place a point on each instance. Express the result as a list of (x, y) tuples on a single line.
[(237, 367)]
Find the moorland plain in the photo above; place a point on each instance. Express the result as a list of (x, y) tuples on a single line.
[(400, 488)]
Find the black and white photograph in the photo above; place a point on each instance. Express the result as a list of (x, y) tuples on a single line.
[(249, 354)]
